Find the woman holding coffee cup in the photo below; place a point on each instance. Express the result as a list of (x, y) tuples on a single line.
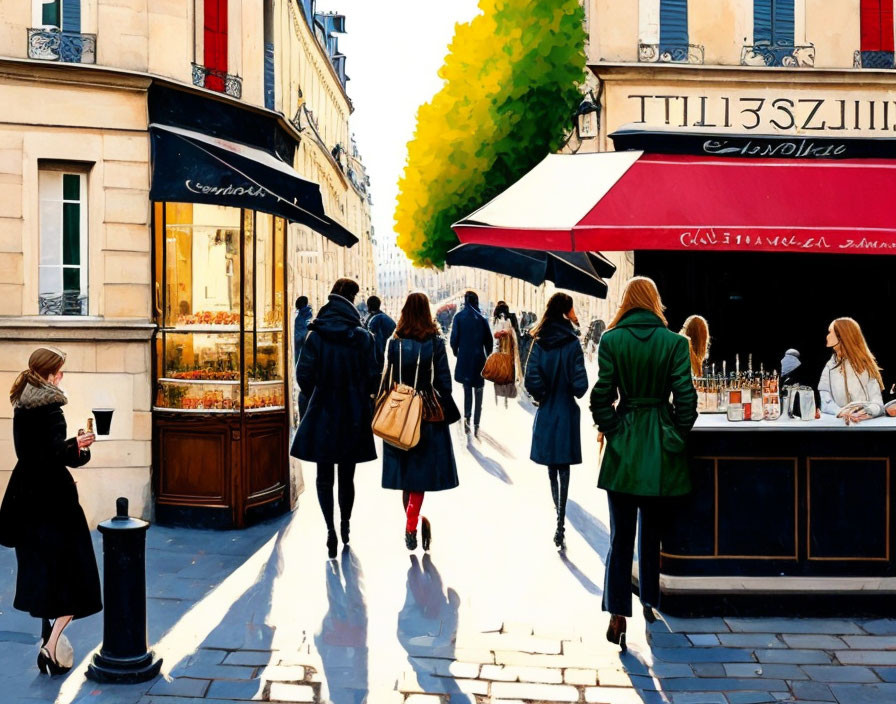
[(41, 518)]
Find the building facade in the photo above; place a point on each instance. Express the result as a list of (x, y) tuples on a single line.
[(77, 263)]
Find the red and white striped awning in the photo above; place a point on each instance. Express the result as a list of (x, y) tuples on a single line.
[(632, 200)]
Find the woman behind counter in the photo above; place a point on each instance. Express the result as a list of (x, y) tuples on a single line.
[(696, 329), (57, 579), (850, 384)]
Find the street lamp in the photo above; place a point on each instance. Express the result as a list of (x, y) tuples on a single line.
[(587, 117)]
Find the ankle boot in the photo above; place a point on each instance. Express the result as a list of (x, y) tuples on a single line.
[(345, 530), (616, 631), (331, 544), (410, 539)]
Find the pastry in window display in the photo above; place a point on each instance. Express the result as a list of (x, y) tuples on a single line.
[(207, 317)]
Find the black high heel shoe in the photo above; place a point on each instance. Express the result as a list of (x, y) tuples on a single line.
[(426, 533), (331, 544), (649, 614), (344, 529), (616, 631), (410, 539), (48, 666)]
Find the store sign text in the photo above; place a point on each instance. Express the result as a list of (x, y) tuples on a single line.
[(230, 190), (798, 149), (766, 114), (709, 239)]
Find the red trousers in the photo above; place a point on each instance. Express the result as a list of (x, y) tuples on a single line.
[(413, 502)]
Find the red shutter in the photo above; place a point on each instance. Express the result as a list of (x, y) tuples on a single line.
[(215, 41), (876, 25)]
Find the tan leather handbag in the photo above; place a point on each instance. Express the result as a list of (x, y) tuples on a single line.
[(399, 411), (499, 368)]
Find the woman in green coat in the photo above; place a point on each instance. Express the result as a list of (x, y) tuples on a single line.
[(641, 363)]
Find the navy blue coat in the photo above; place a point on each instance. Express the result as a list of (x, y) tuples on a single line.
[(337, 377), (300, 331), (381, 326), (555, 378), (430, 465), (471, 342)]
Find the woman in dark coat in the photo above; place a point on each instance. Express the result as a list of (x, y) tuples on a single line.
[(471, 342), (418, 352), (57, 579), (640, 363), (555, 378), (337, 377)]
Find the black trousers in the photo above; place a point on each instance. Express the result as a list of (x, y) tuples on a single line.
[(471, 392), (624, 513), (325, 480)]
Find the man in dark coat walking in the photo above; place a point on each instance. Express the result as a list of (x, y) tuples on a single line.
[(381, 326), (471, 342), (337, 377)]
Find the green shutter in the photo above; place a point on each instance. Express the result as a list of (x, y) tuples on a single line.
[(71, 233), (50, 13)]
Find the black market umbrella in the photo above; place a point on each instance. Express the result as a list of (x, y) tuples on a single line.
[(581, 272)]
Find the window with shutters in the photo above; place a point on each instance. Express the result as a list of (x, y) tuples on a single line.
[(62, 276), (673, 24), (876, 20), (773, 22)]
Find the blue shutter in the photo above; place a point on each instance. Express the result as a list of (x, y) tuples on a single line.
[(762, 21), (71, 16), (673, 23), (783, 28), (269, 75), (308, 7), (773, 22)]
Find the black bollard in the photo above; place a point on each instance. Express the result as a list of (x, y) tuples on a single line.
[(124, 657)]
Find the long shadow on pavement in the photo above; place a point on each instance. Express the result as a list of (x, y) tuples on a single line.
[(342, 640), (591, 529), (489, 440), (427, 625), (488, 464)]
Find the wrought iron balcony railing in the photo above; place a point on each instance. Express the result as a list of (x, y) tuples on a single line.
[(873, 59), (56, 45), (789, 56), (670, 53), (211, 78)]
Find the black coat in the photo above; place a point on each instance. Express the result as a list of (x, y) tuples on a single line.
[(381, 326), (471, 342), (556, 378), (41, 517), (430, 465), (337, 377)]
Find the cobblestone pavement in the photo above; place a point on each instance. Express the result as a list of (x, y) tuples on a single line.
[(493, 613)]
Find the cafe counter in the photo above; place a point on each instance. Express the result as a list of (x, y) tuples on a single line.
[(796, 509)]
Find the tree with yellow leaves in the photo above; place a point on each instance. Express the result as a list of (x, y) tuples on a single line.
[(512, 80)]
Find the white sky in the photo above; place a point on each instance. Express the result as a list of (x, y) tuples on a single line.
[(394, 51)]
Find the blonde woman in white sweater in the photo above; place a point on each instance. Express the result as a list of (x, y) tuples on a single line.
[(850, 384)]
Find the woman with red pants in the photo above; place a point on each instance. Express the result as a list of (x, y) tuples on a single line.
[(416, 356)]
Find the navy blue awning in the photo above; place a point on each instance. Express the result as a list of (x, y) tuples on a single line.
[(191, 167)]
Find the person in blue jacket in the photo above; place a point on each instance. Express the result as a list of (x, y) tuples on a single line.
[(380, 325), (555, 377), (300, 329), (337, 377), (471, 342)]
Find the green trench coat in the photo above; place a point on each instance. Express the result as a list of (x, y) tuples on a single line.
[(642, 362)]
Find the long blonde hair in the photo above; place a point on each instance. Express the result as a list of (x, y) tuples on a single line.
[(640, 292), (854, 348), (43, 362), (696, 329)]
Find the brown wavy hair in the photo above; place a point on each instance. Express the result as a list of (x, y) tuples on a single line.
[(416, 321), (43, 362), (854, 348), (640, 292), (559, 305), (696, 329)]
